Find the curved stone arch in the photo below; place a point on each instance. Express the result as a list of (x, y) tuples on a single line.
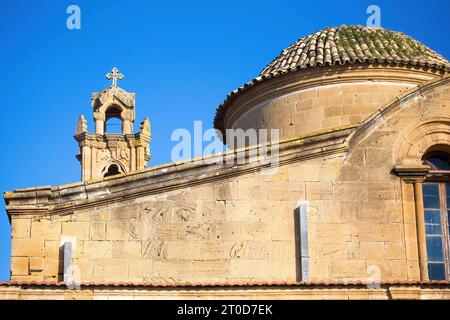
[(111, 105), (418, 141)]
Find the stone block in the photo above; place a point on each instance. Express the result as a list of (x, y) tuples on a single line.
[(210, 211), (52, 249), (113, 269), (395, 251), (372, 211), (46, 229), (348, 211), (386, 232), (281, 173), (98, 249), (140, 268), (349, 173), (226, 191), (177, 269), (117, 231), (19, 266), (283, 229), (333, 232), (281, 190), (245, 268), (399, 269), (381, 192), (412, 251), (304, 172), (182, 250), (333, 111), (82, 268), (97, 231), (319, 191), (350, 191), (125, 212), (27, 248), (126, 249), (20, 228), (249, 189), (319, 269), (378, 156), (377, 270), (348, 269), (212, 269), (238, 211), (332, 250), (53, 267), (372, 250), (36, 264), (100, 215), (80, 230), (257, 231)]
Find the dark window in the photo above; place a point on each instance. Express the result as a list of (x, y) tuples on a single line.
[(112, 170), (439, 161), (436, 200)]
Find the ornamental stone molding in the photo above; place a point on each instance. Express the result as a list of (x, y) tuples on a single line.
[(102, 153)]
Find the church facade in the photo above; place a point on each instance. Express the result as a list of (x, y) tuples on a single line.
[(350, 201)]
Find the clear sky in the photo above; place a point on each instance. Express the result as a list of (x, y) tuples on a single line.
[(180, 57)]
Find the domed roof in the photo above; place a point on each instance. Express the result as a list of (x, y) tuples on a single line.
[(352, 44), (341, 46)]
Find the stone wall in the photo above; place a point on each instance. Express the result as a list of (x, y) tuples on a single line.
[(319, 108), (360, 224), (299, 104)]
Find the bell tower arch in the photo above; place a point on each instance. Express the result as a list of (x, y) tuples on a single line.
[(103, 154)]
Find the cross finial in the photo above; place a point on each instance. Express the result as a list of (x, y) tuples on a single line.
[(114, 75)]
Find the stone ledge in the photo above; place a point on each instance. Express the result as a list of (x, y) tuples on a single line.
[(66, 198)]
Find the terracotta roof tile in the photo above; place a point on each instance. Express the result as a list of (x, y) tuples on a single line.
[(219, 284), (340, 46)]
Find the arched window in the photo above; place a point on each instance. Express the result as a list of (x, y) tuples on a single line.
[(113, 121), (112, 170), (436, 202)]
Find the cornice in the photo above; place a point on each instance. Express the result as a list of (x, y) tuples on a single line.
[(412, 173), (69, 198)]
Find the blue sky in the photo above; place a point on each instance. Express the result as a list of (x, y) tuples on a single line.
[(181, 58)]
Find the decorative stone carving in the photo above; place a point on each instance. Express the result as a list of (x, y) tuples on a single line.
[(112, 102), (103, 155), (81, 125), (123, 154)]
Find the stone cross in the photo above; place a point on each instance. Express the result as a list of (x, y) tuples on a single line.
[(114, 75)]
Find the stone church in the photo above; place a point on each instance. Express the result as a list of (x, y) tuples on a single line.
[(357, 206)]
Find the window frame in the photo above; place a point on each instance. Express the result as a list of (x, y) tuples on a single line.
[(441, 178)]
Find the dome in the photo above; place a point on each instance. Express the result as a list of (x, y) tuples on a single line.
[(341, 46), (353, 44)]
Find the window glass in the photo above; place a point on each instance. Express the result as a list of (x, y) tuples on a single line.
[(432, 216), (431, 196), (436, 271), (439, 161), (434, 249), (433, 230)]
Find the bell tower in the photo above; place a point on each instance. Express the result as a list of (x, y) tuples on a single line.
[(104, 154)]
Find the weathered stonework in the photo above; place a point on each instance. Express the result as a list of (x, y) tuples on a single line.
[(206, 221), (101, 153)]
